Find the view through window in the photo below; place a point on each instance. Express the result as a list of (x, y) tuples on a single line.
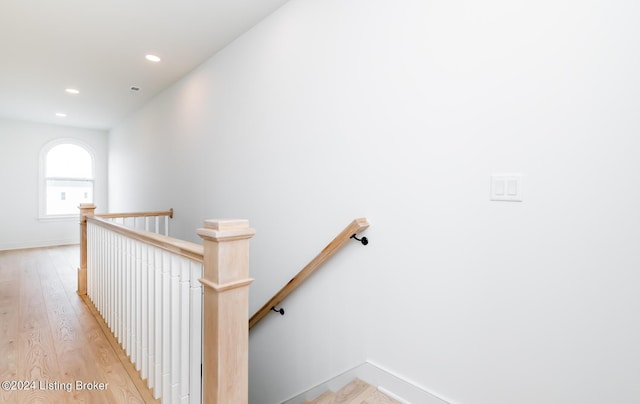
[(68, 179)]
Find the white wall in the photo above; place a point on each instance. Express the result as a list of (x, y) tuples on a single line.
[(400, 112), (20, 146)]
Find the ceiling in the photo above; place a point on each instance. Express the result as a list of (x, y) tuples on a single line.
[(98, 47)]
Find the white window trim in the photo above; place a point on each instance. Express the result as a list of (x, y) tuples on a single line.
[(42, 180)]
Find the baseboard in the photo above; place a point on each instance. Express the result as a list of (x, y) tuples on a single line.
[(398, 387), (37, 244), (387, 382)]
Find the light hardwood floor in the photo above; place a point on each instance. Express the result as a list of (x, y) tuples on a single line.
[(50, 340)]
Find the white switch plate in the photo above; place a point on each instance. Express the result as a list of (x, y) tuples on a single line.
[(506, 187)]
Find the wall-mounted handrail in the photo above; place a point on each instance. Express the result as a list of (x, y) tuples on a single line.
[(355, 227)]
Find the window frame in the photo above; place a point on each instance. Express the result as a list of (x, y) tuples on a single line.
[(42, 196)]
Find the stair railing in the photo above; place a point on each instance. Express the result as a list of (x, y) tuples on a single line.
[(161, 297), (142, 220), (354, 228)]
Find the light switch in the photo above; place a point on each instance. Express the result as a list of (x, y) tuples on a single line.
[(506, 187)]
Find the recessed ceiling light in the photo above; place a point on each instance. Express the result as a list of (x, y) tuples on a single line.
[(152, 58), (72, 91), (61, 115)]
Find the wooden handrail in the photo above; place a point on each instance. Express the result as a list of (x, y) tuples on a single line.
[(168, 213), (355, 227), (185, 248)]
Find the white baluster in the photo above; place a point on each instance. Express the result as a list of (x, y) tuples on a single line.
[(98, 274), (127, 298), (195, 335), (151, 317), (185, 330), (117, 292), (90, 255), (158, 326), (104, 293), (137, 318), (144, 320), (166, 327), (175, 329)]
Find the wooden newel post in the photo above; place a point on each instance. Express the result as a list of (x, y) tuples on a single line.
[(225, 357), (86, 210)]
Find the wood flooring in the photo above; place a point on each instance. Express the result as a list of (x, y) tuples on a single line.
[(52, 348)]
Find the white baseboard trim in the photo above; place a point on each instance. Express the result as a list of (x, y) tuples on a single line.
[(398, 387), (387, 382), (37, 244)]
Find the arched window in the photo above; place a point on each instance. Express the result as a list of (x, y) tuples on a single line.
[(67, 178)]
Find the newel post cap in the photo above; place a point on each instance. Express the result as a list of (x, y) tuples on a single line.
[(226, 230), (86, 210)]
